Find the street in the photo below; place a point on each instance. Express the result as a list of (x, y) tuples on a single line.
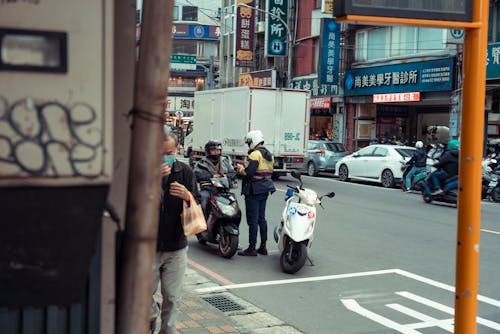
[(384, 262)]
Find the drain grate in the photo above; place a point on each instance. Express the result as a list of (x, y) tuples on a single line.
[(223, 303)]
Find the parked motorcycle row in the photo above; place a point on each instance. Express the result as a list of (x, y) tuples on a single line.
[(490, 176)]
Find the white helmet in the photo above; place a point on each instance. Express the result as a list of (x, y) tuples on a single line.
[(254, 138), (419, 144)]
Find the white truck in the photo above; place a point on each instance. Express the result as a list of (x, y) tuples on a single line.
[(227, 114)]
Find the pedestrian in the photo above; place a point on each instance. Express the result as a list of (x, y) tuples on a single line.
[(418, 162), (256, 187), (213, 165), (177, 183)]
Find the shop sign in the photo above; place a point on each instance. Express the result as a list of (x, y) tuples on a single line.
[(182, 62), (426, 76), (493, 61), (329, 57), (396, 97), (277, 28), (321, 102), (265, 78), (182, 104), (315, 87), (195, 31), (245, 26)]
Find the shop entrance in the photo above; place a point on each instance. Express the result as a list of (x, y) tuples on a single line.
[(392, 125), (320, 124)]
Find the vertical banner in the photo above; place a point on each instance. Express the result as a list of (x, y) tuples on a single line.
[(330, 50), (245, 29), (277, 28)]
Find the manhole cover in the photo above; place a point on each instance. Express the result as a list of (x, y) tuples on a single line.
[(223, 303)]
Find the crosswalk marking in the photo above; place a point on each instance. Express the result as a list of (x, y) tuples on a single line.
[(426, 321)]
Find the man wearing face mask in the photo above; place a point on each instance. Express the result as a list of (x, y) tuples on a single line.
[(213, 164)]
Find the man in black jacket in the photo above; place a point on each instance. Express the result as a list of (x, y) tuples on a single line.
[(447, 167), (171, 257)]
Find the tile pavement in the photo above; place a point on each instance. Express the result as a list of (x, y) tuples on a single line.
[(197, 316)]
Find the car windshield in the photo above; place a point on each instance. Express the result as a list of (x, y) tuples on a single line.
[(335, 147), (406, 152)]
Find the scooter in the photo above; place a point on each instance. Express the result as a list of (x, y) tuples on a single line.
[(223, 219), (295, 233), (448, 196)]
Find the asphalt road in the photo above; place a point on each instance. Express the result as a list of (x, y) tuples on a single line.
[(384, 262)]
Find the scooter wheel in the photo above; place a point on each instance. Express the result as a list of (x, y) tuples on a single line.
[(293, 257), (495, 195), (426, 197), (228, 245)]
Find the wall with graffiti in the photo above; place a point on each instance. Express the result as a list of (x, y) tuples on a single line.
[(49, 139)]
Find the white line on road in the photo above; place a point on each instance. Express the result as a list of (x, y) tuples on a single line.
[(294, 280), (427, 321), (445, 308), (353, 305)]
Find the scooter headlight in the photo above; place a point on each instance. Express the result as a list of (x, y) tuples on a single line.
[(227, 209)]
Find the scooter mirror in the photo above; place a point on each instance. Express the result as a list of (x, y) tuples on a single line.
[(295, 174), (332, 194)]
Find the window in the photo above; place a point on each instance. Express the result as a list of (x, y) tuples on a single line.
[(184, 47), (398, 41), (189, 13), (380, 152), (365, 151), (176, 13)]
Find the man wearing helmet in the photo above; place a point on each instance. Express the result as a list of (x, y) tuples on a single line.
[(213, 164), (418, 162), (256, 186), (447, 168)]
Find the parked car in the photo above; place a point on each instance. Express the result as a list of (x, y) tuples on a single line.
[(322, 156), (375, 163)]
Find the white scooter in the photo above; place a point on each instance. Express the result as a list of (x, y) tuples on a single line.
[(295, 233)]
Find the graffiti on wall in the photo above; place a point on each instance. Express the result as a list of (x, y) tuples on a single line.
[(49, 139)]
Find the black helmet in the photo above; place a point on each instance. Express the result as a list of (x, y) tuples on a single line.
[(212, 145)]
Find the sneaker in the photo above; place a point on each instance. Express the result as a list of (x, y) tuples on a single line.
[(250, 251), (262, 250), (437, 192)]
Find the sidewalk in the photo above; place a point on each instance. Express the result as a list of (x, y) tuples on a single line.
[(222, 312)]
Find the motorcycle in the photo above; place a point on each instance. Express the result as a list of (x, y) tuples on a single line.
[(294, 235), (490, 187), (448, 196), (417, 179), (223, 219)]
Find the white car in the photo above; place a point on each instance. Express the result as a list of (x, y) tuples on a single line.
[(375, 163)]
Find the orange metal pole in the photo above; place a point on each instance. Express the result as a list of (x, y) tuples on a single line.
[(469, 198)]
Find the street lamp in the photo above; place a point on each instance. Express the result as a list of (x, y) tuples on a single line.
[(290, 40)]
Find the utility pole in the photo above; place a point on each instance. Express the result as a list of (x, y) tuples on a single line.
[(143, 195)]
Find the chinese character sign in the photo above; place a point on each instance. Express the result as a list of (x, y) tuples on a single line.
[(277, 28), (245, 27), (330, 49)]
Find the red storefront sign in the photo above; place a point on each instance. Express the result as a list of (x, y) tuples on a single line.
[(396, 97), (321, 102)]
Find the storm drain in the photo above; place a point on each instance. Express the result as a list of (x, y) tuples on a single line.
[(223, 303)]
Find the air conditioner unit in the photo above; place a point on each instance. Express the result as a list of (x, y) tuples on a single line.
[(260, 26)]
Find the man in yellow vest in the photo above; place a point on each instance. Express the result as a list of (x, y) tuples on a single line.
[(256, 186)]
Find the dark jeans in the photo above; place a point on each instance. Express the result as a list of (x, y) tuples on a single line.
[(205, 198), (256, 217), (438, 178)]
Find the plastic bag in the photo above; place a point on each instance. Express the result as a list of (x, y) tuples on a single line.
[(193, 220)]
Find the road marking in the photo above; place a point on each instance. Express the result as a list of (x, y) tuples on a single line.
[(490, 231), (445, 308), (293, 280), (209, 272), (426, 321), (353, 305)]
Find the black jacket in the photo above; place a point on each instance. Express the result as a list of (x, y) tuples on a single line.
[(419, 159), (448, 162), (170, 233)]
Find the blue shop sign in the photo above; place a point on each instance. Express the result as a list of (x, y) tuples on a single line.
[(493, 61), (330, 41), (426, 76)]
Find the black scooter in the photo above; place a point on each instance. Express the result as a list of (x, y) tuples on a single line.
[(223, 219), (449, 196)]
